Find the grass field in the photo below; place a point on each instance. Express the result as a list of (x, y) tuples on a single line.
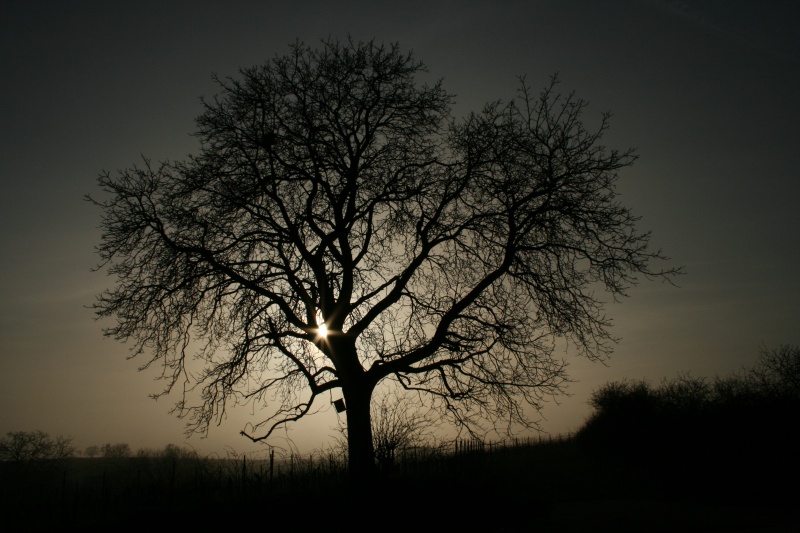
[(549, 485)]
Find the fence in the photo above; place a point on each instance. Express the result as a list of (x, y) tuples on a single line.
[(475, 446), (89, 489)]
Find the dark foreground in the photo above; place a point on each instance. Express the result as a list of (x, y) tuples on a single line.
[(550, 486)]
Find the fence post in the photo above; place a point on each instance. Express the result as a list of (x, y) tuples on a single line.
[(271, 464), (244, 473)]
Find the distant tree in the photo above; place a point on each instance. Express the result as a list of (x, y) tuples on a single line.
[(170, 452), (116, 451), (173, 451), (777, 371), (92, 451), (339, 228), (34, 446)]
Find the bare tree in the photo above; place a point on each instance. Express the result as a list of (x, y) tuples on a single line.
[(398, 424), (339, 227), (777, 371), (26, 447), (116, 451)]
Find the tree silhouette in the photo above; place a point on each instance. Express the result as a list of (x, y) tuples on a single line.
[(28, 447), (339, 228), (399, 424)]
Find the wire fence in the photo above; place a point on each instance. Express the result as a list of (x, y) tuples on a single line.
[(89, 490)]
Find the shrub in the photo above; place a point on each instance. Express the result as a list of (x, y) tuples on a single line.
[(735, 431)]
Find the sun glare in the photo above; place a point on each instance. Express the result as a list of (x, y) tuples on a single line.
[(323, 330)]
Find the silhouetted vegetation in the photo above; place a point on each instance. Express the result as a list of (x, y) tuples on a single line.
[(29, 448), (341, 228), (400, 426), (551, 484), (691, 454), (120, 449), (717, 437)]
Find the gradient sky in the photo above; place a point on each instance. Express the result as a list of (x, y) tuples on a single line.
[(706, 91)]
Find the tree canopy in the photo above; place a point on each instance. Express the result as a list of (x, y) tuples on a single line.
[(333, 188), (29, 447)]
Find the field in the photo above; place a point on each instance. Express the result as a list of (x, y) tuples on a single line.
[(689, 454), (537, 485)]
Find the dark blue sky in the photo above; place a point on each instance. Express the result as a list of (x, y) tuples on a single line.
[(706, 91)]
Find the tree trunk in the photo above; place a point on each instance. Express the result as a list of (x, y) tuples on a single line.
[(361, 454)]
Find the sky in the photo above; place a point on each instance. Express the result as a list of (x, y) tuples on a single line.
[(707, 92)]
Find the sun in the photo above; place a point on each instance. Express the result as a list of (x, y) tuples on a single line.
[(322, 331)]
